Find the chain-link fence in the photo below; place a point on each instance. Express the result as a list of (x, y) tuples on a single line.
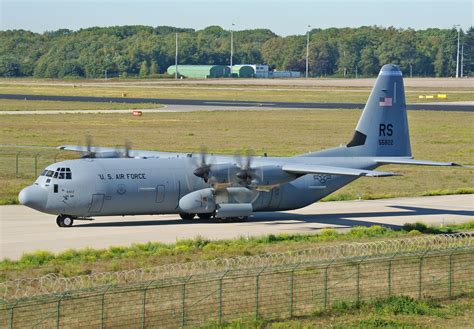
[(264, 287), (28, 163)]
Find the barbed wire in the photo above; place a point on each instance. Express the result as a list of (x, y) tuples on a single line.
[(328, 254)]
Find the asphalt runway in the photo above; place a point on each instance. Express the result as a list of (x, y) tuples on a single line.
[(211, 103), (25, 230)]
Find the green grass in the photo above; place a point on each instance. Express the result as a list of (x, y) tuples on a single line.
[(391, 312), (23, 105), (230, 92), (145, 255), (439, 136)]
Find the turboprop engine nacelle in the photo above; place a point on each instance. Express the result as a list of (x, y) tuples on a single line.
[(229, 202)]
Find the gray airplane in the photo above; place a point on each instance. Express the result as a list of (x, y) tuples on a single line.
[(106, 181)]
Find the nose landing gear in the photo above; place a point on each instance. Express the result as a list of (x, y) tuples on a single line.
[(64, 220)]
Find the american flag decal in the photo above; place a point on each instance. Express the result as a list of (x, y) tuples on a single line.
[(385, 101)]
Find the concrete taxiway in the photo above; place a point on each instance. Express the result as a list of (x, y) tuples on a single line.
[(230, 103), (26, 230)]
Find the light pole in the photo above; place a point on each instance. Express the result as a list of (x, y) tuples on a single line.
[(462, 60), (411, 70), (457, 56), (307, 50), (176, 59), (231, 48)]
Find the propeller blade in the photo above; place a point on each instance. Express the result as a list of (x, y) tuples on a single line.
[(203, 169), (88, 153)]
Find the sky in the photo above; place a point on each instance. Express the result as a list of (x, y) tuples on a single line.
[(284, 17)]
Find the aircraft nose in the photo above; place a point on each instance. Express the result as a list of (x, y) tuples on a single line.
[(34, 197)]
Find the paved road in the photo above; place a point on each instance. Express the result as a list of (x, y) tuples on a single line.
[(210, 103), (25, 230)]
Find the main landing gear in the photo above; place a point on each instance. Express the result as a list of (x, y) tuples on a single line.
[(65, 220), (187, 216)]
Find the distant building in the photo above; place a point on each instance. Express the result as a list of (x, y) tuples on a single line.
[(243, 71), (200, 71), (261, 71), (285, 74)]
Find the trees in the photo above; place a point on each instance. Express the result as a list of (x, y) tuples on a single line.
[(126, 50), (143, 70)]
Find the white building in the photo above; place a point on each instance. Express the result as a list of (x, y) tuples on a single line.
[(261, 71)]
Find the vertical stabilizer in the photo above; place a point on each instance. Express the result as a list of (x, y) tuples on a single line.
[(383, 127)]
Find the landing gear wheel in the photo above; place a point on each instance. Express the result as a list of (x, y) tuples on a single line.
[(64, 221), (186, 216), (241, 218), (205, 215)]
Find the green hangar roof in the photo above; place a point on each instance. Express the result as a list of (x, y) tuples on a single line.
[(201, 71), (243, 71)]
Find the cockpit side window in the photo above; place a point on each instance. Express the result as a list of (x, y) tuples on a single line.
[(68, 173), (44, 172), (49, 173), (56, 174)]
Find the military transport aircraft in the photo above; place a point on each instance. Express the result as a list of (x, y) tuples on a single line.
[(106, 181)]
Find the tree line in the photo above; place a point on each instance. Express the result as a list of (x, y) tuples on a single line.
[(125, 51)]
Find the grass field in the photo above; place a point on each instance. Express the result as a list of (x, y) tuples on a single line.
[(86, 261), (230, 92), (437, 136), (370, 292), (22, 105), (393, 312)]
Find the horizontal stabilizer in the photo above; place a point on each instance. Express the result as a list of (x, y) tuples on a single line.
[(409, 161), (317, 169)]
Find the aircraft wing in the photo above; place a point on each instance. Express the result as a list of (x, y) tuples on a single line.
[(330, 170), (110, 151), (410, 161)]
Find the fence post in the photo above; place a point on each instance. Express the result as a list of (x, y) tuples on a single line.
[(292, 273), (219, 296), (450, 276), (102, 304), (389, 275), (144, 303), (420, 268), (11, 315), (58, 312), (17, 164), (36, 164), (257, 288), (357, 283), (183, 300), (325, 288)]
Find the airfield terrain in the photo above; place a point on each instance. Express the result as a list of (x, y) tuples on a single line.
[(25, 230), (439, 135), (31, 245)]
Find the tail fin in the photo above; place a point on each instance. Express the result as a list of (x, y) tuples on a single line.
[(383, 127)]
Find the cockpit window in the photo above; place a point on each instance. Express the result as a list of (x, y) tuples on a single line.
[(49, 173), (62, 173), (44, 172)]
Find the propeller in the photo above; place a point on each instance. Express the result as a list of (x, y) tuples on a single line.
[(88, 153), (245, 173), (96, 153), (204, 168), (125, 151)]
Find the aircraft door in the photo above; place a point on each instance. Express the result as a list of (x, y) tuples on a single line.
[(160, 193), (97, 203)]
